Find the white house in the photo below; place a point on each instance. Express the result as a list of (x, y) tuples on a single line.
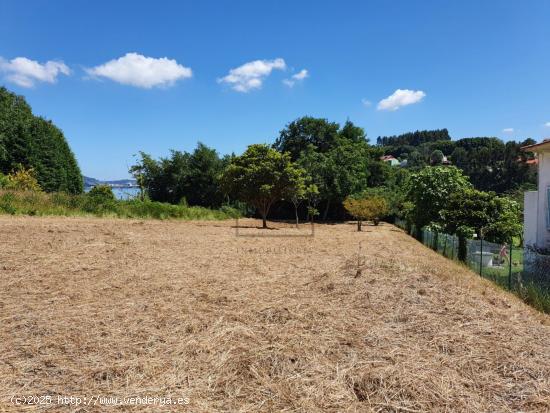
[(537, 203)]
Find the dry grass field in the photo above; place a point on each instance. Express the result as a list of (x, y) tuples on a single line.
[(341, 322)]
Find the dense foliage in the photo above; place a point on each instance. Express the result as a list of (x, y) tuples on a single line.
[(429, 190), (415, 138), (338, 159), (34, 143), (482, 213), (183, 177), (491, 164)]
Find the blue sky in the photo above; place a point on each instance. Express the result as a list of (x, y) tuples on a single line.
[(129, 76)]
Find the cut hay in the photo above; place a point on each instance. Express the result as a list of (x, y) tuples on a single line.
[(343, 321)]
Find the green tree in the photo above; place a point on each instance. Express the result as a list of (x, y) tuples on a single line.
[(298, 135), (415, 160), (190, 176), (261, 176), (340, 172), (497, 219), (36, 143), (296, 194), (429, 191)]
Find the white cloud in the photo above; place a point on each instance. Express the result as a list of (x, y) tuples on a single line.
[(508, 130), (366, 103), (399, 98), (25, 72), (301, 75), (252, 74), (137, 70), (547, 124)]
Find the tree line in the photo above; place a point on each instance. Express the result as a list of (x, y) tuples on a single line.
[(331, 161), (490, 163), (318, 167)]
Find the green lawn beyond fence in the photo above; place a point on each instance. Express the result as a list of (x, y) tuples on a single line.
[(500, 263)]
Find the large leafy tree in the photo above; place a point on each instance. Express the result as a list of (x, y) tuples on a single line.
[(32, 142), (261, 176), (302, 133), (338, 173), (429, 191), (339, 160)]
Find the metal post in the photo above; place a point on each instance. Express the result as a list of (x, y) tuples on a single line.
[(510, 266), (481, 254)]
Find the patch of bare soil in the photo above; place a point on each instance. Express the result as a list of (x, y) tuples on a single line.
[(342, 321)]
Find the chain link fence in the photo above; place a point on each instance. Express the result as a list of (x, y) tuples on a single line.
[(521, 270)]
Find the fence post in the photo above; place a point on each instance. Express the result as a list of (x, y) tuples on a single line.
[(481, 254), (453, 249), (510, 266)]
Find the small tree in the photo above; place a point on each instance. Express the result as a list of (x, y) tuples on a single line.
[(296, 194), (261, 176), (371, 208)]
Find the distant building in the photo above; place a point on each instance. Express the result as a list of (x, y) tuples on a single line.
[(537, 203), (390, 159)]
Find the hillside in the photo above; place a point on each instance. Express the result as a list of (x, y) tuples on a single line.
[(343, 321)]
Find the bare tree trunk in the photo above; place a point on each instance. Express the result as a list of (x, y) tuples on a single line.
[(359, 225), (264, 222), (296, 214)]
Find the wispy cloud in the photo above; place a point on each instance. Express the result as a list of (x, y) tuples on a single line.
[(547, 124), (26, 72), (251, 75), (400, 98), (298, 77), (508, 130), (366, 103), (145, 72)]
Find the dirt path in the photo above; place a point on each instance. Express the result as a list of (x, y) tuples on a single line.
[(97, 307)]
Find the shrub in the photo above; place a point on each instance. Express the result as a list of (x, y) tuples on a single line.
[(99, 202), (22, 180), (3, 180), (7, 203), (103, 192)]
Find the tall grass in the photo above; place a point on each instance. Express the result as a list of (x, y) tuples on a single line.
[(41, 204)]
